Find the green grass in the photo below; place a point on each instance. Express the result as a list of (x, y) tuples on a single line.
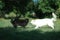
[(7, 32)]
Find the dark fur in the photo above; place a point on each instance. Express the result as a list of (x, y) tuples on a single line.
[(20, 22)]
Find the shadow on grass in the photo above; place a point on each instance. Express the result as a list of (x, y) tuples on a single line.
[(14, 34)]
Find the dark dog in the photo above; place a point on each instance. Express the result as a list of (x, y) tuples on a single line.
[(20, 22)]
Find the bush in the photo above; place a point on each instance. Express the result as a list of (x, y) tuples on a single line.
[(58, 12)]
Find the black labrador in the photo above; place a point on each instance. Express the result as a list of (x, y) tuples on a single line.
[(20, 22)]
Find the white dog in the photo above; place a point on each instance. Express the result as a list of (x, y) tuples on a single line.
[(42, 22)]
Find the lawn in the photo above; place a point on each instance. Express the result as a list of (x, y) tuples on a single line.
[(8, 32)]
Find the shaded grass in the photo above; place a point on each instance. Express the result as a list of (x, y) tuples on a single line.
[(12, 34), (29, 33)]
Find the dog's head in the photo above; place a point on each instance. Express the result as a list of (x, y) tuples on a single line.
[(53, 19)]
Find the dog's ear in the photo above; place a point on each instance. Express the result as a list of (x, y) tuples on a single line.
[(54, 15)]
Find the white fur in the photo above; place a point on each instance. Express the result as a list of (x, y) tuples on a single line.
[(42, 22)]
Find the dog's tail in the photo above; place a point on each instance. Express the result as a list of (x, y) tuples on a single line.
[(54, 16)]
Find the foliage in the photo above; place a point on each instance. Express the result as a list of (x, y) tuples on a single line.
[(58, 13), (24, 6)]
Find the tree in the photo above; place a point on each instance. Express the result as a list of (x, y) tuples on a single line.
[(18, 5), (22, 7)]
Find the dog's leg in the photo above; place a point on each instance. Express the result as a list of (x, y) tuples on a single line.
[(51, 25), (36, 27)]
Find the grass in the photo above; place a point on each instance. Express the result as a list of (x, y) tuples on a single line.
[(7, 32)]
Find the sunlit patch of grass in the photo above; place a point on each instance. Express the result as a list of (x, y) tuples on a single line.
[(5, 23), (57, 25), (30, 27)]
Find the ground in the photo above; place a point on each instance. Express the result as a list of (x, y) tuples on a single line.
[(8, 32)]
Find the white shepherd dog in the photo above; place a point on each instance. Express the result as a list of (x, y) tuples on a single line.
[(42, 22)]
